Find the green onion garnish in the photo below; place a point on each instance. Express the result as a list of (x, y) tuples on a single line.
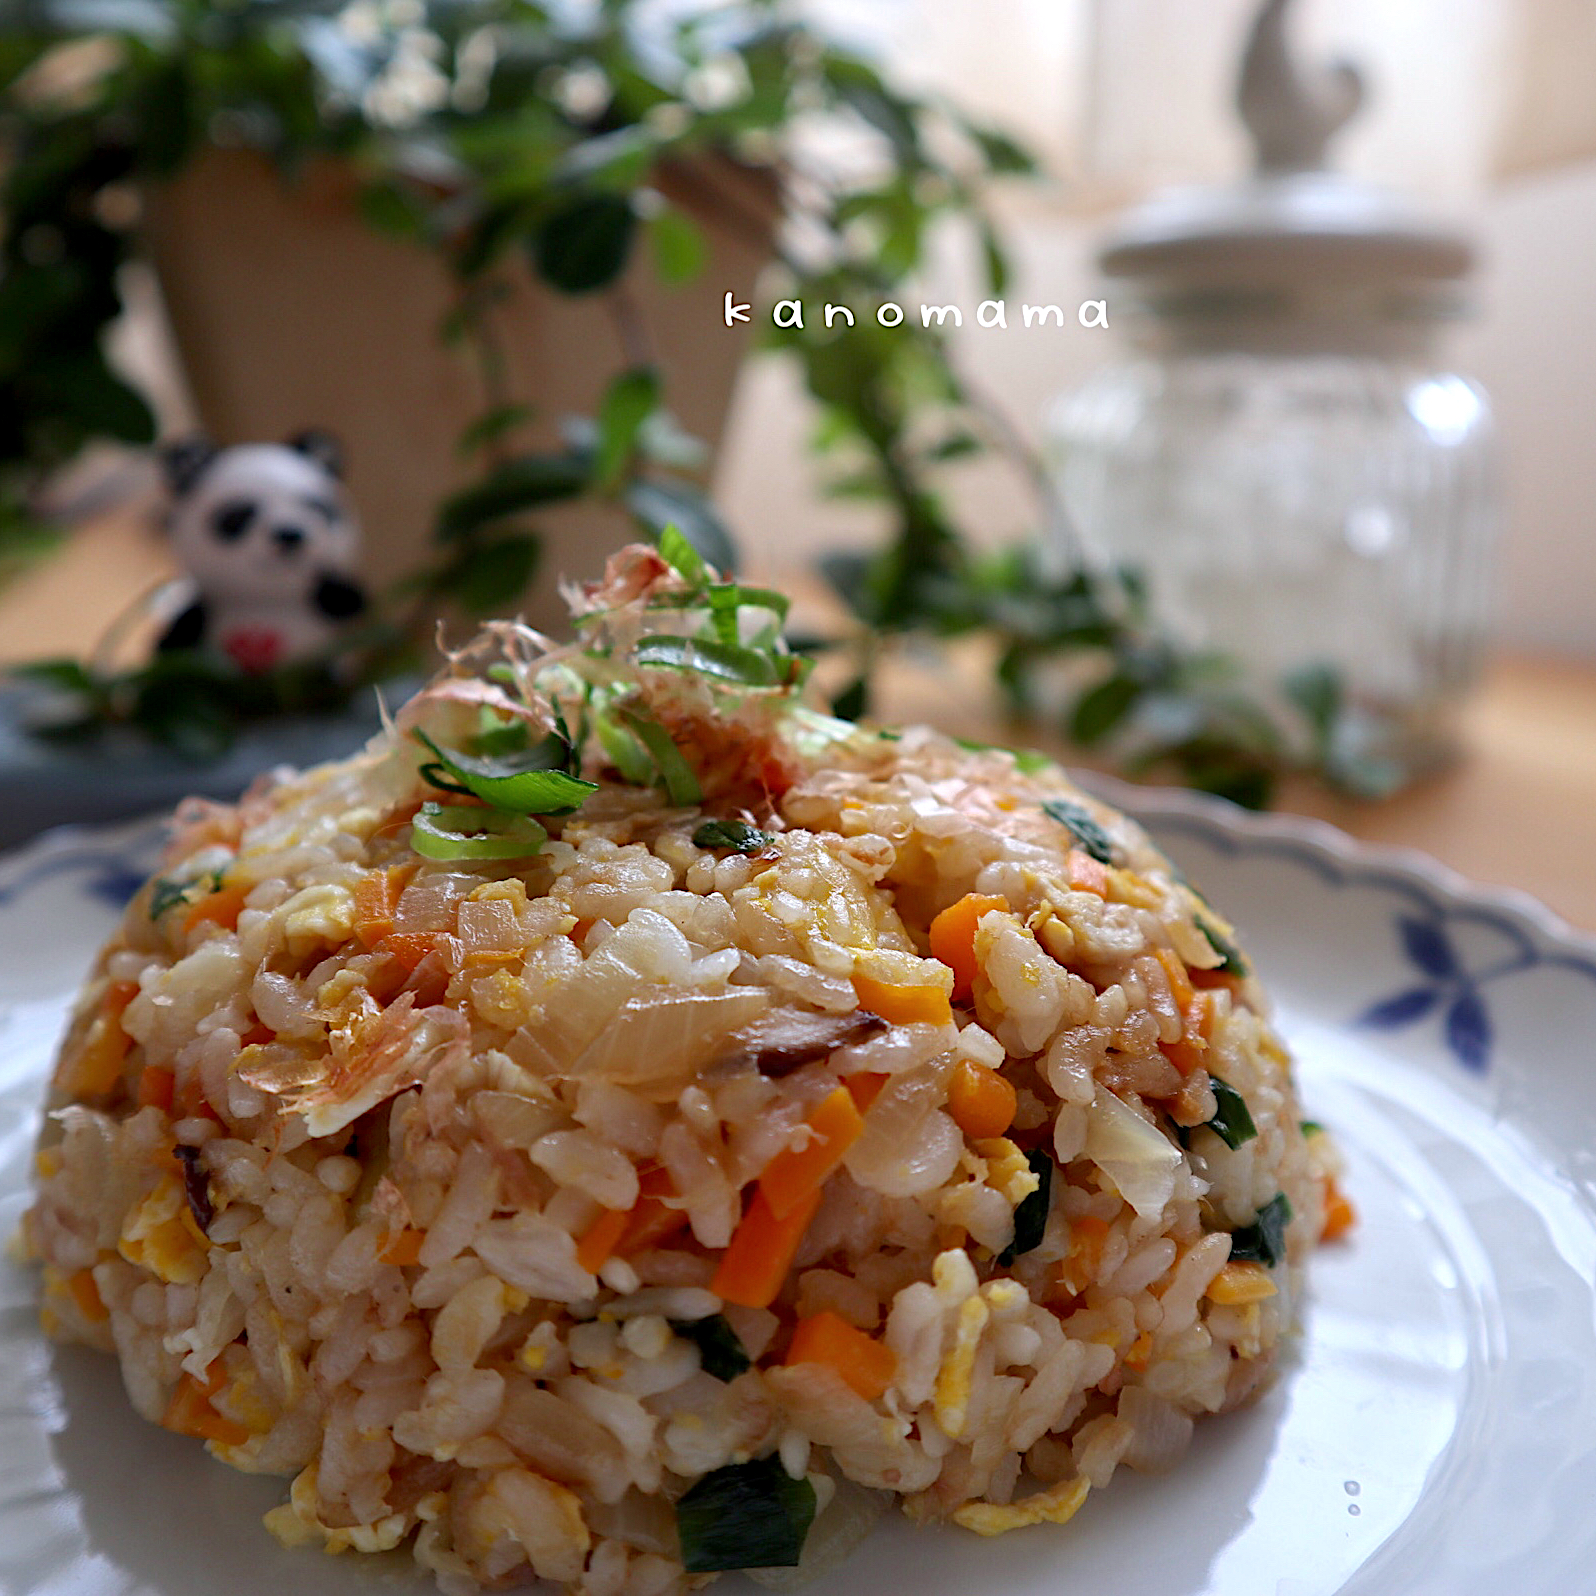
[(1235, 961), (673, 770), (167, 893), (746, 1515), (1264, 1240), (720, 1353), (734, 834), (535, 782), (1088, 833), (709, 656), (1232, 1121), (1030, 1216), (681, 556), (453, 832), (1310, 1127)]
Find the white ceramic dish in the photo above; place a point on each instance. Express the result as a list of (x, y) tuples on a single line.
[(1434, 1433)]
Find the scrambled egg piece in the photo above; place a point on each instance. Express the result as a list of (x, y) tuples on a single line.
[(161, 1236), (1058, 1504)]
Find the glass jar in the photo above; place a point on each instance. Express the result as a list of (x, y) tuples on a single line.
[(1307, 488)]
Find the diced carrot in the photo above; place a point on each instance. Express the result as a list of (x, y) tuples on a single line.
[(981, 1101), (87, 1296), (903, 1005), (190, 1101), (190, 1411), (96, 1068), (1086, 874), (408, 948), (376, 901), (1207, 980), (651, 1218), (863, 1362), (1186, 1054), (402, 1248), (221, 907), (754, 1266), (1180, 986), (1240, 1283), (866, 1088), (795, 1174), (117, 997), (601, 1238), (953, 937), (155, 1088), (1079, 1269), (1339, 1214)]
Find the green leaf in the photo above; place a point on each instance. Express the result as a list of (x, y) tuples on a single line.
[(1102, 709), (1235, 961), (745, 1515), (673, 771), (680, 252), (453, 832), (490, 427), (1232, 1120), (1001, 153), (995, 260), (583, 246), (1088, 833), (720, 1354), (493, 575), (63, 675), (853, 701), (1030, 1215), (509, 489), (628, 402), (734, 834), (532, 783), (1318, 692), (656, 503), (727, 662), (1263, 1241)]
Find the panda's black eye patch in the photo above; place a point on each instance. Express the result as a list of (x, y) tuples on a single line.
[(231, 520)]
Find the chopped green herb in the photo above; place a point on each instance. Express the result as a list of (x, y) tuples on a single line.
[(1235, 961), (1088, 833), (672, 769), (1310, 1127), (1031, 762), (465, 831), (728, 662), (536, 782), (681, 556), (746, 1515), (167, 893), (1264, 1240), (1232, 1121), (731, 834), (720, 1353), (1030, 1217)]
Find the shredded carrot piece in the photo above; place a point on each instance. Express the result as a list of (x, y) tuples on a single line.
[(1180, 986), (903, 1005), (866, 1088), (754, 1266), (601, 1238), (402, 1248), (408, 948), (117, 997), (1079, 1269), (155, 1087), (953, 937), (1339, 1214), (981, 1101), (651, 1218), (376, 901), (97, 1067), (865, 1363), (190, 1411), (221, 907), (1086, 874), (87, 1296), (1240, 1283), (795, 1174)]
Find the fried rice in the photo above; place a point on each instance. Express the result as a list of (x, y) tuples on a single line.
[(625, 1124)]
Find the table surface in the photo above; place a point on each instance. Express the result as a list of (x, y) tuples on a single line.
[(1519, 810)]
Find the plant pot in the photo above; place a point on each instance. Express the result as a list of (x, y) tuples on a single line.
[(290, 311)]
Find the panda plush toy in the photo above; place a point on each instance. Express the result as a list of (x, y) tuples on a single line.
[(268, 541)]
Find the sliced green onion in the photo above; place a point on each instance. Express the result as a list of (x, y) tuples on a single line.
[(1232, 1121), (1088, 833), (530, 784), (452, 832), (672, 769), (1235, 961), (681, 556), (746, 1515), (624, 751), (1310, 1127), (1030, 1216), (167, 893), (720, 1353), (728, 662), (1264, 1240), (735, 834)]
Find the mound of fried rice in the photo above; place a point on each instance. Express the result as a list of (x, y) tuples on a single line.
[(873, 1142)]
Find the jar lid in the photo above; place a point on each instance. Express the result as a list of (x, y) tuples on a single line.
[(1293, 221)]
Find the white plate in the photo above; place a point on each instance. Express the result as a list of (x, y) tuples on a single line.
[(1433, 1433)]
